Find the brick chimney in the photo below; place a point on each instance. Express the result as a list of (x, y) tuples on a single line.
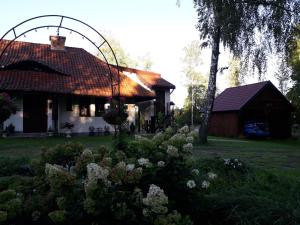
[(57, 43)]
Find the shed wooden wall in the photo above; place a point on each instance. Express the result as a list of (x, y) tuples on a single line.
[(224, 124)]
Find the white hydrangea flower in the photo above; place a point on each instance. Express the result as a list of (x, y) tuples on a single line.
[(143, 161), (193, 133), (130, 167), (184, 130), (155, 201), (137, 137), (189, 139), (240, 164), (178, 136), (53, 169), (195, 172), (96, 172), (161, 164), (158, 137), (212, 175), (87, 153), (191, 184), (188, 147), (205, 184), (226, 161), (172, 151)]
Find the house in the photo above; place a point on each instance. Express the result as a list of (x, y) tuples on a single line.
[(259, 102), (54, 84), (149, 110)]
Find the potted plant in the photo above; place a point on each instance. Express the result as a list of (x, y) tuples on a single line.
[(50, 131), (69, 127), (91, 131), (10, 129), (7, 107)]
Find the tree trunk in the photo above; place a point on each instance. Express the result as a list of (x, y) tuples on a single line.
[(211, 89)]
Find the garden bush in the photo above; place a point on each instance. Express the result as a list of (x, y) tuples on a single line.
[(151, 181)]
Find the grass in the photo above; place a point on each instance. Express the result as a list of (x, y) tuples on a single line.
[(268, 154), (31, 147)]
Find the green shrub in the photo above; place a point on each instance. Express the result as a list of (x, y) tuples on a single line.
[(3, 216), (18, 166), (7, 195), (63, 154), (58, 216)]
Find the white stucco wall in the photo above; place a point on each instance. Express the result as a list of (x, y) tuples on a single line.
[(16, 119), (81, 124)]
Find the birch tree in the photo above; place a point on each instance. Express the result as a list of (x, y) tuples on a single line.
[(250, 29)]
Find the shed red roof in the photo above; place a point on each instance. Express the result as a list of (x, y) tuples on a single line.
[(233, 99), (74, 71), (150, 79)]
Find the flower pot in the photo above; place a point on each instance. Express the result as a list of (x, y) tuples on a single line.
[(68, 134)]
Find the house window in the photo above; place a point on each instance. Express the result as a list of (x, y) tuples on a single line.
[(69, 104), (84, 107), (99, 110)]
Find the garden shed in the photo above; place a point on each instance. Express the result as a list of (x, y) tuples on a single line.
[(254, 103)]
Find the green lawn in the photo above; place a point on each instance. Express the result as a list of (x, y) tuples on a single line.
[(31, 147), (269, 154)]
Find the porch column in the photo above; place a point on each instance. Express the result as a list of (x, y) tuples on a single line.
[(55, 113)]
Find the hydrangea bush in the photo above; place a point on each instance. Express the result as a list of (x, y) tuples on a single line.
[(152, 181)]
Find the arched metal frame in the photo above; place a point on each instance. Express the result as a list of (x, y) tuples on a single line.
[(115, 86)]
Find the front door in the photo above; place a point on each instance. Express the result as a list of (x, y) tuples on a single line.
[(34, 113)]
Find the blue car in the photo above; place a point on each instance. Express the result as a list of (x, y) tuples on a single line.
[(256, 129)]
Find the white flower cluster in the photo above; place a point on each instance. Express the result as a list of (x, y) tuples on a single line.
[(184, 130), (52, 170), (212, 175), (87, 153), (158, 138), (188, 147), (137, 137), (178, 137), (205, 184), (130, 167), (172, 151), (96, 172), (191, 184), (143, 161), (189, 139), (161, 163), (234, 163), (195, 172), (155, 201)]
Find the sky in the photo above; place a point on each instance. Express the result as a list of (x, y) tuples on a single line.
[(157, 27)]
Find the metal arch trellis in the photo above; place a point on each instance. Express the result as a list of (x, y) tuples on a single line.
[(115, 86)]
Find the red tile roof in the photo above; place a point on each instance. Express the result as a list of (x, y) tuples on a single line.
[(233, 99), (150, 79), (74, 71)]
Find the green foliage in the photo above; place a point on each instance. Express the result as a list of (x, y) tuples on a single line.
[(58, 216), (294, 62), (9, 166), (183, 116), (235, 78), (7, 107), (63, 154), (154, 181), (3, 216), (250, 29)]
